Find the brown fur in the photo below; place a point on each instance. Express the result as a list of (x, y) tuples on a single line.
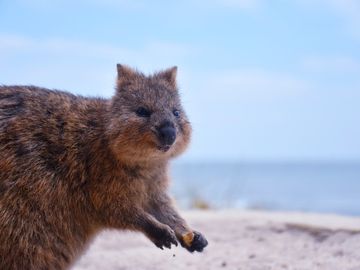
[(71, 166)]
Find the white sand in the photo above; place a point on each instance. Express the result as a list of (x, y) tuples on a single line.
[(239, 240)]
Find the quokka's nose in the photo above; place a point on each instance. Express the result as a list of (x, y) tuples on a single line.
[(167, 135)]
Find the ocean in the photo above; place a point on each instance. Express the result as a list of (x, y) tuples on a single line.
[(310, 187)]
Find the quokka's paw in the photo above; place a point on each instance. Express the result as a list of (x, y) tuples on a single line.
[(194, 241), (165, 238)]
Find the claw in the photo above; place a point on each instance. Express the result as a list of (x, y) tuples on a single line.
[(167, 239), (159, 246)]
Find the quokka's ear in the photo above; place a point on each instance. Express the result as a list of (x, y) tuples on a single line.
[(170, 75), (125, 74)]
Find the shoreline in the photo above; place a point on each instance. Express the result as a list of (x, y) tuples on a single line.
[(327, 221), (239, 239)]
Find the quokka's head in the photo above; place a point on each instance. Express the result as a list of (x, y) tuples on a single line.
[(147, 120)]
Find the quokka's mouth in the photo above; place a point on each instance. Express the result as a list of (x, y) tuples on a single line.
[(164, 148)]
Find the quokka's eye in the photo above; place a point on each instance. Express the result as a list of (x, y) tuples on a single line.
[(176, 113), (142, 112)]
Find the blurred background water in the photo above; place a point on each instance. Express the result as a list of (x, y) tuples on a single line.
[(315, 187)]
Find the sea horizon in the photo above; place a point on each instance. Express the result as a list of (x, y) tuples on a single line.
[(309, 186)]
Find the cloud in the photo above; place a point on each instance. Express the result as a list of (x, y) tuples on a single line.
[(69, 63), (347, 10), (240, 4), (54, 4), (331, 64), (13, 43), (139, 4), (254, 83), (219, 96)]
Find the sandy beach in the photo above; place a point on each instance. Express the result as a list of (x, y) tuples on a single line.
[(239, 240)]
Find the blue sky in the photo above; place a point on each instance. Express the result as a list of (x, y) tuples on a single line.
[(260, 79)]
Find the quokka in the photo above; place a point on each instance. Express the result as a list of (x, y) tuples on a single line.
[(71, 166)]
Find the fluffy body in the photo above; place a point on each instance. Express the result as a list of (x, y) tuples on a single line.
[(71, 166)]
